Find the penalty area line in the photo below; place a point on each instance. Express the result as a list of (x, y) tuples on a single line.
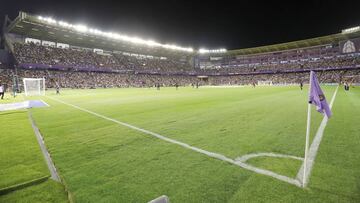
[(187, 146)]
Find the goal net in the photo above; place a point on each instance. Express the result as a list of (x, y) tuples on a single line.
[(34, 86), (265, 82)]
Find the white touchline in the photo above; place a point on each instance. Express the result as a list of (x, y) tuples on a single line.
[(50, 164), (315, 146)]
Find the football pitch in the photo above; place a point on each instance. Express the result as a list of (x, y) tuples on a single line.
[(193, 145)]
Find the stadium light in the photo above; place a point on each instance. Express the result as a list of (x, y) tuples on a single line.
[(135, 40), (351, 30), (47, 19), (152, 43), (206, 51), (81, 28), (65, 24)]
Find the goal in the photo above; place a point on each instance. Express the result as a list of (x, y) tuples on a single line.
[(265, 82), (34, 86)]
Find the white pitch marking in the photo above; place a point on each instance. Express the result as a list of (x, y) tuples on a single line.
[(50, 164), (270, 154), (222, 86), (314, 147), (202, 151), (44, 102)]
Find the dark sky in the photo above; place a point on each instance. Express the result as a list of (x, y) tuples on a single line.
[(208, 24)]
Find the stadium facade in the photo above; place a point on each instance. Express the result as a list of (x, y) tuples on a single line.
[(36, 46)]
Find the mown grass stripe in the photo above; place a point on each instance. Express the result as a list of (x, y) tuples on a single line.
[(202, 151)]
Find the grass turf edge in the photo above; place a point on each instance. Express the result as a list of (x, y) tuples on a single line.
[(23, 185)]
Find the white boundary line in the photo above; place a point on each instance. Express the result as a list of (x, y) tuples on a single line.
[(45, 152), (314, 147), (269, 154), (223, 86), (44, 102), (202, 151)]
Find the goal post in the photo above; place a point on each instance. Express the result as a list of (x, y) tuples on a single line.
[(34, 86)]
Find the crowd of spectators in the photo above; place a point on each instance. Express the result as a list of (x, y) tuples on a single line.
[(73, 79), (30, 53), (167, 71), (339, 61), (352, 76), (6, 76)]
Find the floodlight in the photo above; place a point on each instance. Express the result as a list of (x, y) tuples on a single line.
[(350, 30), (64, 24), (81, 28), (152, 43), (136, 40)]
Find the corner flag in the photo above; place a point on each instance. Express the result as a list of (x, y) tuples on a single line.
[(316, 96)]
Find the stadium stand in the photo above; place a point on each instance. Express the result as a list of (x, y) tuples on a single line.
[(44, 48)]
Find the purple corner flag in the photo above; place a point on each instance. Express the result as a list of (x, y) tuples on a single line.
[(317, 97)]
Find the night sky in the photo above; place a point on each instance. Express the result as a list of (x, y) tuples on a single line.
[(202, 24)]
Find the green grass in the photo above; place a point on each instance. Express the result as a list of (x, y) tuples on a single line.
[(102, 161), (48, 191), (21, 161), (8, 98), (283, 166)]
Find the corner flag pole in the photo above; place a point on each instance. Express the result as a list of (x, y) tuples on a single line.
[(307, 135), (307, 142)]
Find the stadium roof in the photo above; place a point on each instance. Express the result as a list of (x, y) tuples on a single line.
[(36, 27), (45, 29), (329, 39)]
